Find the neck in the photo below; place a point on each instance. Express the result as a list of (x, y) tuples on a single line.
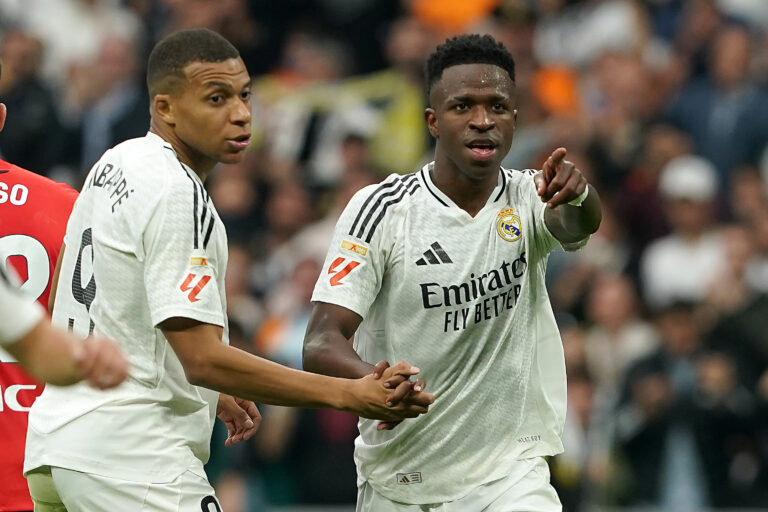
[(468, 193), (199, 164)]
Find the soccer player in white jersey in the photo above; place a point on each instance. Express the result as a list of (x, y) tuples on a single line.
[(445, 268), (144, 261)]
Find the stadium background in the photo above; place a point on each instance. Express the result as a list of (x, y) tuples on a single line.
[(662, 103)]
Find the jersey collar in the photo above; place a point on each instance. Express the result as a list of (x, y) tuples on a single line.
[(167, 145), (439, 196)]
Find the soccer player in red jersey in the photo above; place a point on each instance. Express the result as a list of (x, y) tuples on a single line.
[(33, 217)]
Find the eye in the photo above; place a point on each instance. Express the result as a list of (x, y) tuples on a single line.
[(461, 107), (499, 107), (245, 95), (216, 99)]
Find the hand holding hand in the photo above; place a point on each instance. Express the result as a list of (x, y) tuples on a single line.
[(241, 417), (100, 362), (377, 400), (404, 389)]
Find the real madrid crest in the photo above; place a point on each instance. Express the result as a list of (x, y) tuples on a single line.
[(508, 225)]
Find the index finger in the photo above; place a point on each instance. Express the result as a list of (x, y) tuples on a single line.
[(558, 155)]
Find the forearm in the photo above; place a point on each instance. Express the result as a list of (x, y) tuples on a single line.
[(238, 373), (48, 354), (573, 223), (330, 353)]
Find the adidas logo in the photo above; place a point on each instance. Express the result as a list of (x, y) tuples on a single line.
[(409, 478), (434, 256)]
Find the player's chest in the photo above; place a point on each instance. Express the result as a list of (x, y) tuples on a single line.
[(450, 247)]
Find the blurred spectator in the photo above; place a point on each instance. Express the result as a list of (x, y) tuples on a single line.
[(618, 335), (681, 414), (72, 31), (571, 276), (115, 106), (748, 195), (725, 113), (736, 310), (577, 32), (641, 207), (239, 198), (581, 469), (32, 135), (679, 266), (242, 306), (757, 272)]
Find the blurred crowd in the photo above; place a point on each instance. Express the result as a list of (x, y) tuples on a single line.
[(663, 104)]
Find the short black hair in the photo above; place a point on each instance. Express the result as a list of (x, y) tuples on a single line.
[(467, 49), (173, 53)]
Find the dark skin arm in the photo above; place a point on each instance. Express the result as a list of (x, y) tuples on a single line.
[(560, 182), (327, 350), (209, 363)]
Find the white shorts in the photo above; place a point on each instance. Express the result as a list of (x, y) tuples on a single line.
[(526, 489), (56, 489)]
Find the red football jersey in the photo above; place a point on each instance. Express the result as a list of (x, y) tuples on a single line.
[(33, 217)]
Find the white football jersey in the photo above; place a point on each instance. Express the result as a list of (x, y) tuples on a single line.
[(463, 298), (17, 314), (144, 244)]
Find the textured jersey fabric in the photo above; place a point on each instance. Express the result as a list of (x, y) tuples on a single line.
[(144, 244), (463, 298)]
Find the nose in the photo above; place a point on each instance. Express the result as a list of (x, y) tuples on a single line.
[(481, 119), (241, 113)]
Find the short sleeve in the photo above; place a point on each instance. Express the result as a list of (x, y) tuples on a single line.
[(545, 240), (354, 266), (18, 315), (179, 273)]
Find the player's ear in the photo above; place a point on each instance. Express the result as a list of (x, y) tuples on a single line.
[(162, 107), (3, 112), (432, 125)]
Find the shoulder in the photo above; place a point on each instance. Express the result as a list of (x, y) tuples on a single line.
[(519, 183), (150, 168), (371, 205)]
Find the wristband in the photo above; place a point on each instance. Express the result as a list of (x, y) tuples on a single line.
[(580, 199)]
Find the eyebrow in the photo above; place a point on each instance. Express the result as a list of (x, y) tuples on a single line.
[(225, 85), (491, 97)]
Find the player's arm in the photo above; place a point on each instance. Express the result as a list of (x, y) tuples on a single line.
[(50, 354), (209, 363), (560, 183), (54, 356), (327, 349)]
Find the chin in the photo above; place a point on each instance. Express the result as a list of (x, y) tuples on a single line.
[(232, 158), (484, 165)]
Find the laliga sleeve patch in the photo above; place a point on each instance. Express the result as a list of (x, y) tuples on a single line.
[(193, 284), (340, 268)]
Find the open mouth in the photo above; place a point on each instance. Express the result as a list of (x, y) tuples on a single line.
[(241, 142), (482, 149)]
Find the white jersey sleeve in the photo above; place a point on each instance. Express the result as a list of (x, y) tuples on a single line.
[(354, 267), (179, 276), (546, 241), (17, 314)]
